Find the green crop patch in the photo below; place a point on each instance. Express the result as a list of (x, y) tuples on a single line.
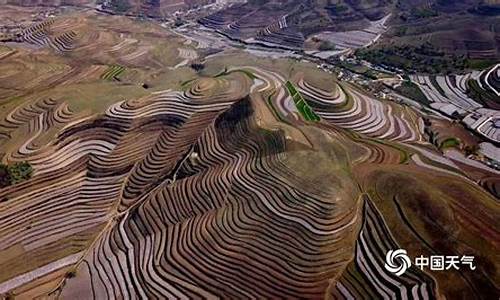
[(449, 143), (113, 72), (304, 109)]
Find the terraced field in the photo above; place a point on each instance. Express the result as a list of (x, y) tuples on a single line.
[(471, 97), (304, 109), (448, 90), (113, 72), (345, 41), (250, 179), (288, 24)]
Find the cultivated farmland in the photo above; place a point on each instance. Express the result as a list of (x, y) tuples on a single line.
[(304, 109), (251, 177)]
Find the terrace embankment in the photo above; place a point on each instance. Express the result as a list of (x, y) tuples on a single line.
[(154, 182), (179, 180)]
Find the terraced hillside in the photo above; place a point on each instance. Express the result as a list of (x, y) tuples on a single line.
[(467, 91), (252, 178), (289, 23), (430, 36), (440, 37), (152, 8), (197, 192)]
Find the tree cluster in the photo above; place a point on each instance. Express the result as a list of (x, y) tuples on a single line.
[(15, 173), (198, 67)]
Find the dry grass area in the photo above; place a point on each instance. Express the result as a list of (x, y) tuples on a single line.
[(65, 58)]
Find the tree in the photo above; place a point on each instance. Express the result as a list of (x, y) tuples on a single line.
[(326, 46), (20, 172), (198, 67), (178, 22), (4, 176), (71, 274), (14, 174), (471, 149), (120, 6)]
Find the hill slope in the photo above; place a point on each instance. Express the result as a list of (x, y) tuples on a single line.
[(462, 29)]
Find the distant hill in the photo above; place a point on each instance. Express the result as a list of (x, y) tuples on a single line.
[(153, 8), (466, 29), (48, 2), (444, 35), (440, 35), (290, 22)]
